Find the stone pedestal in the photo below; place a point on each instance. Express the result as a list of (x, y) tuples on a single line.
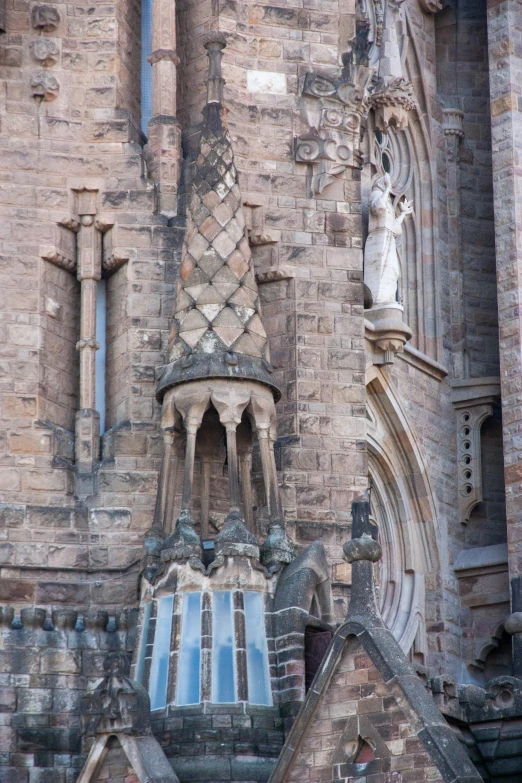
[(390, 333)]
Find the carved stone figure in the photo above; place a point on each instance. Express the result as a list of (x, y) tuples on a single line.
[(381, 261)]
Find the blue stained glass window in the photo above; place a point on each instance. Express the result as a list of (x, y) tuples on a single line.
[(140, 663), (258, 674), (189, 674), (223, 649), (159, 671), (146, 68)]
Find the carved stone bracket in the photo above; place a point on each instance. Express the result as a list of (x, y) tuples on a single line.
[(385, 328), (473, 400)]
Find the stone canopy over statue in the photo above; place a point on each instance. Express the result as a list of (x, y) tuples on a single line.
[(381, 260)]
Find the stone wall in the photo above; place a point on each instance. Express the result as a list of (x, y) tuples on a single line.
[(47, 662)]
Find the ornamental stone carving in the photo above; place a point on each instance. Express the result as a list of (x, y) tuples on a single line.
[(45, 51), (45, 18), (118, 703), (335, 109), (431, 6), (44, 87)]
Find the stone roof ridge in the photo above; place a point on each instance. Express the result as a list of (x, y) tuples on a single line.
[(364, 625), (217, 330)]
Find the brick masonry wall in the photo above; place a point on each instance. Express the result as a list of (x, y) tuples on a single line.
[(356, 690)]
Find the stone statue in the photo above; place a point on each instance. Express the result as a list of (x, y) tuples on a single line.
[(381, 261)]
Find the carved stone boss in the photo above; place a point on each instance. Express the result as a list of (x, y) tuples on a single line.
[(79, 249)]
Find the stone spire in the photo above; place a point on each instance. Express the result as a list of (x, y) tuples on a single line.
[(217, 329), (218, 356)]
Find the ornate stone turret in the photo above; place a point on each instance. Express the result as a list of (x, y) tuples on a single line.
[(218, 381), (217, 329)]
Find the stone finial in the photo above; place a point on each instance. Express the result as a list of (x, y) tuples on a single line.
[(118, 703), (277, 547), (217, 329), (363, 548), (184, 542), (362, 552), (235, 540)]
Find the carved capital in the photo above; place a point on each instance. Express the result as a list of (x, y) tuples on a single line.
[(71, 223)]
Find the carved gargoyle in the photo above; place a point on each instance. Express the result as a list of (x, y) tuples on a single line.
[(118, 704)]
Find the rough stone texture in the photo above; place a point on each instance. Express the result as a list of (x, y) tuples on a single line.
[(344, 414)]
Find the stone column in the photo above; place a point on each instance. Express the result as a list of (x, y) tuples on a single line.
[(454, 131), (505, 75), (164, 130), (89, 269), (233, 473)]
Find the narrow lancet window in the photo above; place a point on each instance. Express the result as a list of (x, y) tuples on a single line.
[(159, 672), (259, 690), (223, 649), (101, 353), (189, 677)]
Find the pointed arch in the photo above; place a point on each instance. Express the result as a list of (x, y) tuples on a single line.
[(404, 510)]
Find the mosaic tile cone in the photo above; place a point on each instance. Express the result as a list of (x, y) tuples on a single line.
[(217, 328)]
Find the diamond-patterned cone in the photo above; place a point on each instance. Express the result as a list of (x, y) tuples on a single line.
[(217, 328)]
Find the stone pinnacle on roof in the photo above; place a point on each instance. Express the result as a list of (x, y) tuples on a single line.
[(217, 329)]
